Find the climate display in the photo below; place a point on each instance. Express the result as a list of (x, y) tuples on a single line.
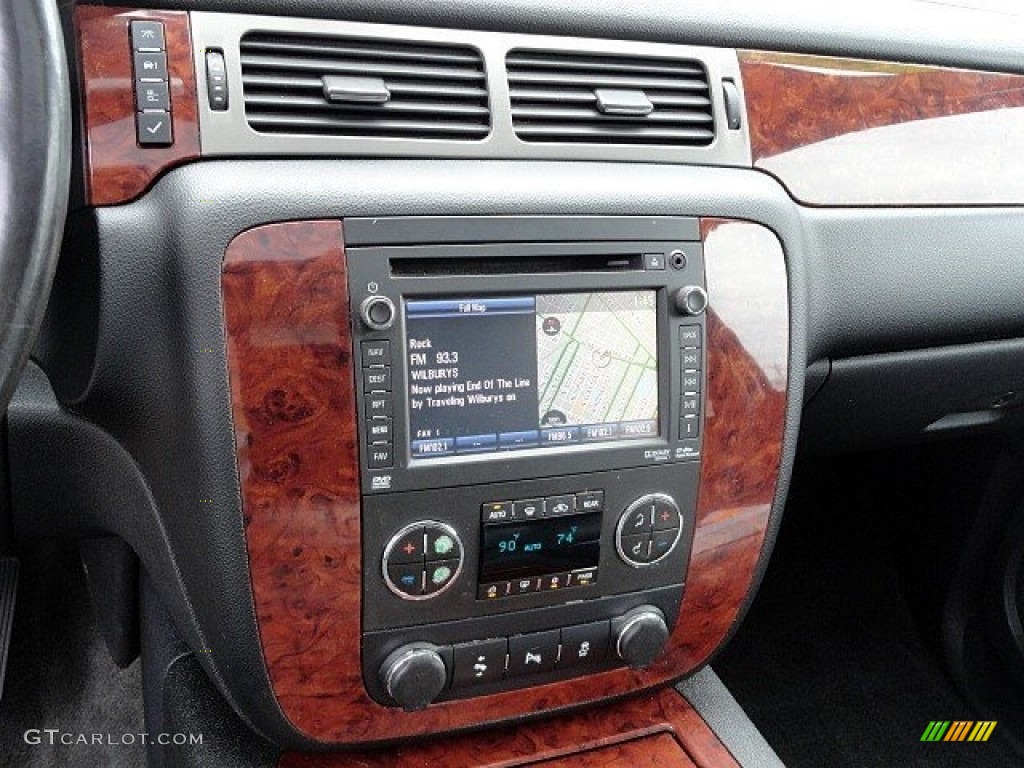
[(508, 373), (513, 552)]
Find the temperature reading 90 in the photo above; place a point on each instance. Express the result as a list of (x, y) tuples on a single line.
[(509, 545)]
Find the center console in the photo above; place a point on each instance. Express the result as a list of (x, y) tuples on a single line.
[(530, 441)]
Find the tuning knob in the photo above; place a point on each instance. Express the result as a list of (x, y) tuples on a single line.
[(691, 300), (640, 636), (377, 312), (414, 675)]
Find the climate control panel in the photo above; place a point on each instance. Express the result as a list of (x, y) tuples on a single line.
[(509, 585)]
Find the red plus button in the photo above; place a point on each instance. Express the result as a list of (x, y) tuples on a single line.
[(409, 548), (666, 515)]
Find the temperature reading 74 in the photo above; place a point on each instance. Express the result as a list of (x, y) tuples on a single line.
[(567, 537)]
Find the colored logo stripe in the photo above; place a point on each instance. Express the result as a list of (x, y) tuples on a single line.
[(982, 730), (935, 730), (958, 730)]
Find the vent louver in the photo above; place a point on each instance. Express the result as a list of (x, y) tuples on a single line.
[(425, 91), (597, 99)]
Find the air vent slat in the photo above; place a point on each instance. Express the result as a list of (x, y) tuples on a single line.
[(403, 87), (643, 66), (554, 99), (290, 47), (535, 112), (358, 67), (313, 123), (640, 134), (288, 101), (606, 80), (433, 91), (575, 95)]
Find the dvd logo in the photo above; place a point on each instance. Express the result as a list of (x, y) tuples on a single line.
[(380, 482)]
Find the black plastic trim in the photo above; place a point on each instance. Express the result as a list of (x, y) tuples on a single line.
[(156, 390)]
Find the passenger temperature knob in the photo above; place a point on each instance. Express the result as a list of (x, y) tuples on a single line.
[(691, 300), (640, 636), (414, 675)]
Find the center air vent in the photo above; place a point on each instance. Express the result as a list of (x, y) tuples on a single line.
[(597, 99), (363, 88)]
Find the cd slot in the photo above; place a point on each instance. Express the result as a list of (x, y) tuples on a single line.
[(517, 265)]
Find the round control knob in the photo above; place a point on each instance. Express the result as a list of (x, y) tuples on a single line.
[(640, 636), (691, 300), (377, 312), (414, 675)]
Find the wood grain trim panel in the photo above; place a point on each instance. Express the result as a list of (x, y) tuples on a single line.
[(658, 729), (853, 132), (117, 169), (289, 357)]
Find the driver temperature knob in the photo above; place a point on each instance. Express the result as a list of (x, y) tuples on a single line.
[(414, 675), (640, 636)]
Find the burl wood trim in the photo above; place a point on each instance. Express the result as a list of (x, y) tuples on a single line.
[(289, 356), (795, 102), (659, 729), (117, 169)]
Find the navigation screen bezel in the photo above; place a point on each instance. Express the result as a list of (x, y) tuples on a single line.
[(452, 452), (370, 273)]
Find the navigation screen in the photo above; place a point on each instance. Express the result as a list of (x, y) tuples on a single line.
[(509, 373)]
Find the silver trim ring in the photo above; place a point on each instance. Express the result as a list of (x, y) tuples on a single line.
[(648, 499), (364, 312), (402, 532)]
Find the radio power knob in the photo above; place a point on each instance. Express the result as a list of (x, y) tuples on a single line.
[(640, 636), (414, 675), (377, 312), (691, 300)]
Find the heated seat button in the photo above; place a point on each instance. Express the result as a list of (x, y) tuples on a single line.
[(636, 549), (533, 653), (479, 663), (638, 521), (441, 545), (584, 644), (439, 575)]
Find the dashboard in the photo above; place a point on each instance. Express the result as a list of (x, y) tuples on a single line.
[(455, 371)]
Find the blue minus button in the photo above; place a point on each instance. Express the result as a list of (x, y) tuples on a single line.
[(476, 443), (437, 446), (513, 440)]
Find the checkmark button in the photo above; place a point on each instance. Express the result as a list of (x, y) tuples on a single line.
[(154, 129)]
